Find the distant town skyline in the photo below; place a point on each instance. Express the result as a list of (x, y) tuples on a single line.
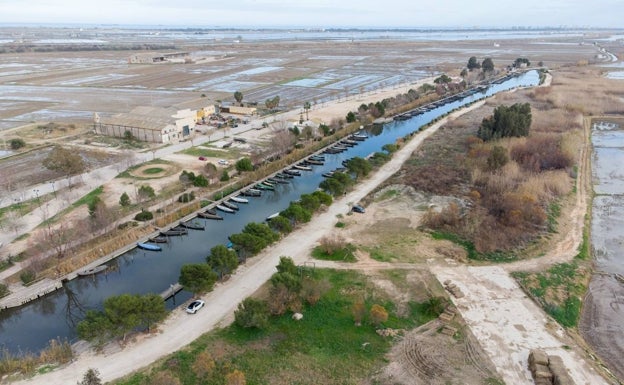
[(318, 13)]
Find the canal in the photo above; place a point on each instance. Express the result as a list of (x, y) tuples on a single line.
[(32, 326)]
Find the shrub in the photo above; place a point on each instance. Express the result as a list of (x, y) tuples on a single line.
[(252, 313), (16, 144), (124, 200), (512, 121), (146, 192), (186, 197), (498, 158), (225, 176), (378, 315), (27, 276), (244, 164), (542, 152), (200, 181), (144, 215)]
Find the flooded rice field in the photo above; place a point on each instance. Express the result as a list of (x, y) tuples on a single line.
[(603, 314)]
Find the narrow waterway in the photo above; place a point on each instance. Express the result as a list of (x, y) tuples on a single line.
[(29, 328), (602, 321)]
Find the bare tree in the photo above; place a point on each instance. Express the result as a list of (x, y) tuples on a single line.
[(283, 141), (68, 162), (12, 221)]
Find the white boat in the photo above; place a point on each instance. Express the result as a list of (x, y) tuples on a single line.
[(303, 168), (272, 216), (239, 200), (224, 209)]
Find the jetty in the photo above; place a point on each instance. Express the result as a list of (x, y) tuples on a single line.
[(171, 291)]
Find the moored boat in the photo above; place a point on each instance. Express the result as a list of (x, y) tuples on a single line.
[(148, 246), (212, 211), (315, 162), (262, 186), (159, 239), (207, 215), (192, 226), (93, 270), (229, 205), (252, 192), (282, 181), (225, 209), (239, 200), (292, 172), (272, 216), (174, 232), (302, 168), (284, 176)]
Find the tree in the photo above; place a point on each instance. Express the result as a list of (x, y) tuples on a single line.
[(507, 121), (211, 170), (306, 108), (244, 164), (463, 73), (222, 260), (351, 117), (67, 162), (281, 224), (487, 65), (124, 200), (239, 97), (95, 328), (359, 166), (93, 206), (273, 103), (224, 176), (151, 310), (122, 313), (443, 79), (307, 132), (145, 192), (287, 265), (473, 63), (261, 230), (91, 377), (252, 313), (523, 61), (295, 212), (247, 244), (378, 315), (309, 202), (17, 143), (197, 277)]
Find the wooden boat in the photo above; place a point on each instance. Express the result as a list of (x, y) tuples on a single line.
[(211, 211), (174, 232), (207, 215), (332, 150), (229, 205), (225, 209), (268, 183), (315, 162), (284, 176), (292, 172), (328, 174), (272, 216), (252, 192), (345, 143), (359, 136), (159, 239), (302, 168), (192, 226), (318, 157), (148, 246), (351, 142), (239, 200), (93, 270), (261, 186), (282, 181)]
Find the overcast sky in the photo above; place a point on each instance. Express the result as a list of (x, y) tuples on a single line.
[(319, 13)]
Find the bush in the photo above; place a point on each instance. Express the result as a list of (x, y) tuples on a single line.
[(146, 192), (225, 176), (378, 315), (144, 215), (16, 144), (512, 121), (244, 164), (186, 197), (200, 181), (28, 276), (124, 200), (252, 313)]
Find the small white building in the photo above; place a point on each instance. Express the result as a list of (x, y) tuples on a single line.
[(149, 124)]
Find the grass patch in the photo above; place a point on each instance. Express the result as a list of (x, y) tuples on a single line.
[(496, 256), (153, 170), (344, 254), (22, 237), (558, 290), (88, 199), (128, 172), (325, 347), (379, 254), (210, 153), (553, 213), (388, 194), (340, 225)]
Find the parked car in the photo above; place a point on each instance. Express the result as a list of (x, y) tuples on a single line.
[(358, 209), (194, 306), (223, 162), (202, 158)]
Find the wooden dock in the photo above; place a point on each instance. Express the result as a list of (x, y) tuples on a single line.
[(171, 291)]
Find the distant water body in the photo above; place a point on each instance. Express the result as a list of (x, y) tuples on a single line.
[(262, 34)]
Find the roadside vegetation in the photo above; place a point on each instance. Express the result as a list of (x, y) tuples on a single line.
[(334, 343)]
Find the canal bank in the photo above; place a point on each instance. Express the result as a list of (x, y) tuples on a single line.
[(139, 271)]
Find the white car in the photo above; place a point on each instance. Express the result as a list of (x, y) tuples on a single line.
[(194, 306), (223, 162)]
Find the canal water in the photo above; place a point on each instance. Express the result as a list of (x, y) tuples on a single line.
[(603, 311), (32, 326)]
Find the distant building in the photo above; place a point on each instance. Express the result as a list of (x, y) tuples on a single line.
[(238, 110), (149, 124), (152, 58)]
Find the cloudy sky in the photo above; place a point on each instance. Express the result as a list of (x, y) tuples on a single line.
[(319, 13)]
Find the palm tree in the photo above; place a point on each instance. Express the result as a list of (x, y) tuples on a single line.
[(239, 97), (306, 107)]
